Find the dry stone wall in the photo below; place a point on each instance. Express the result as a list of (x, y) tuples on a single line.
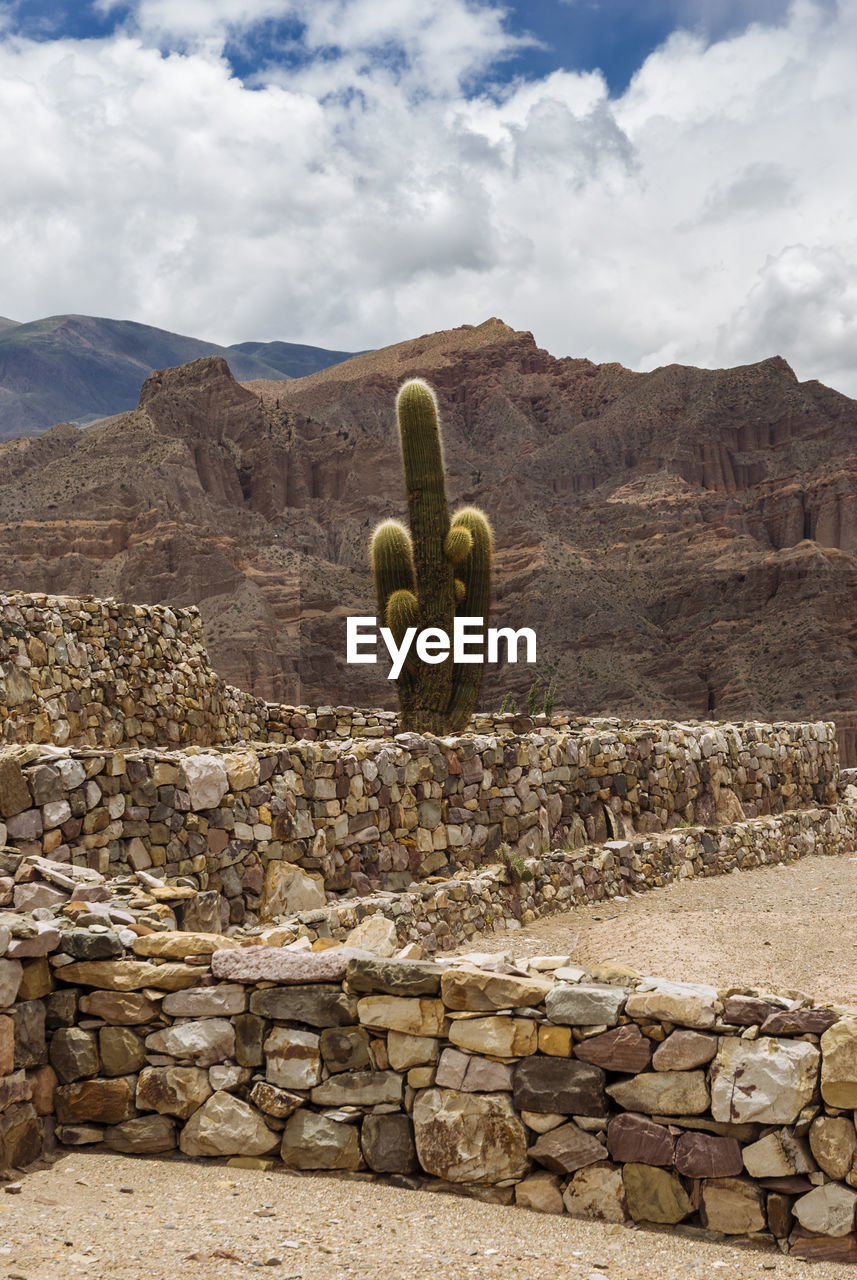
[(270, 828), (637, 1101)]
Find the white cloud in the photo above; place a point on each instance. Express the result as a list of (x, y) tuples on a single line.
[(359, 195)]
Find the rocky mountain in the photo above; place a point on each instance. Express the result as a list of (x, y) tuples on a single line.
[(684, 541), (80, 368)]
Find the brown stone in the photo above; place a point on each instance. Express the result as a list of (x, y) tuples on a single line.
[(173, 1091), (104, 1101), (21, 1134), (734, 1206), (634, 1139), (684, 1050), (780, 1216), (799, 1022), (703, 1155), (623, 1048), (655, 1195), (555, 1085), (124, 1008), (823, 1248), (747, 1011), (387, 1143), (145, 1135), (567, 1148)]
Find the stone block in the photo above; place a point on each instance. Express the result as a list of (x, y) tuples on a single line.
[(734, 1206), (585, 1005), (765, 1080), (624, 1048), (74, 1054), (311, 1141), (226, 1126), (634, 1139), (597, 1192), (318, 1005), (567, 1148), (469, 1137), (292, 1058), (554, 1085), (655, 1195), (483, 991), (670, 1093), (173, 1091), (387, 1143), (497, 1036)]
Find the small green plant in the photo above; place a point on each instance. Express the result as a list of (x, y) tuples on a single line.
[(509, 705), (533, 698), (550, 694), (518, 869)]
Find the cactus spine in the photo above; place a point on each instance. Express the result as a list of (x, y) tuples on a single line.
[(423, 578)]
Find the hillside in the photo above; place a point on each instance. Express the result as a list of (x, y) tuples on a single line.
[(80, 368), (684, 541)]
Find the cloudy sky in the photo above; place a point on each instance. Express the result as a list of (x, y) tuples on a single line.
[(646, 182)]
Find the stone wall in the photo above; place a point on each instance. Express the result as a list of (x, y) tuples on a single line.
[(528, 1083), (368, 815)]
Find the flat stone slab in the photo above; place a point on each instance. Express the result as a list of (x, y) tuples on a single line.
[(275, 964), (394, 977)]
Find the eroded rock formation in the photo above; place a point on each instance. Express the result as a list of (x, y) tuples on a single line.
[(683, 541)]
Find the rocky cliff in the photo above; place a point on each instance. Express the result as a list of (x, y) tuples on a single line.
[(684, 541)]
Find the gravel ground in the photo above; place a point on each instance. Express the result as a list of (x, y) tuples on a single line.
[(783, 928), (119, 1218), (99, 1215)]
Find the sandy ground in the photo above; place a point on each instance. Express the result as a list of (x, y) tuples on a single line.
[(784, 928), (94, 1214), (119, 1218)]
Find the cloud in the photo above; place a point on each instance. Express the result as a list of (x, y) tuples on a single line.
[(379, 178)]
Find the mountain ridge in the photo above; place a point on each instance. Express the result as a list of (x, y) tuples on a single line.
[(81, 368)]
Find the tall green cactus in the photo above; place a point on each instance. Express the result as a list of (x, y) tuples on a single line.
[(423, 578)]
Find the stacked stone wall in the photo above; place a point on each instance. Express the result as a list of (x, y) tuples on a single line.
[(365, 815), (637, 1101)]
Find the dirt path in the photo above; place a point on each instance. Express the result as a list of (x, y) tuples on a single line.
[(784, 928), (108, 1217)]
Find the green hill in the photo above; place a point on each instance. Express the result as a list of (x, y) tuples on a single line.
[(80, 368)]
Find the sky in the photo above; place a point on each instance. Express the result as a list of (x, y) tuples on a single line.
[(648, 182)]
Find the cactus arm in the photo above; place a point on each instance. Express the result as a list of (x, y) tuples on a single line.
[(391, 555), (475, 573)]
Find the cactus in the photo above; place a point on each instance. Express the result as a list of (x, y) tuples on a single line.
[(423, 578)]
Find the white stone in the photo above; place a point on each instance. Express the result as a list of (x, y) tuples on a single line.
[(226, 1126), (469, 1137), (828, 1210), (376, 934), (767, 1080), (206, 1002), (597, 1192), (207, 782), (205, 1042), (292, 1058), (287, 890)]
